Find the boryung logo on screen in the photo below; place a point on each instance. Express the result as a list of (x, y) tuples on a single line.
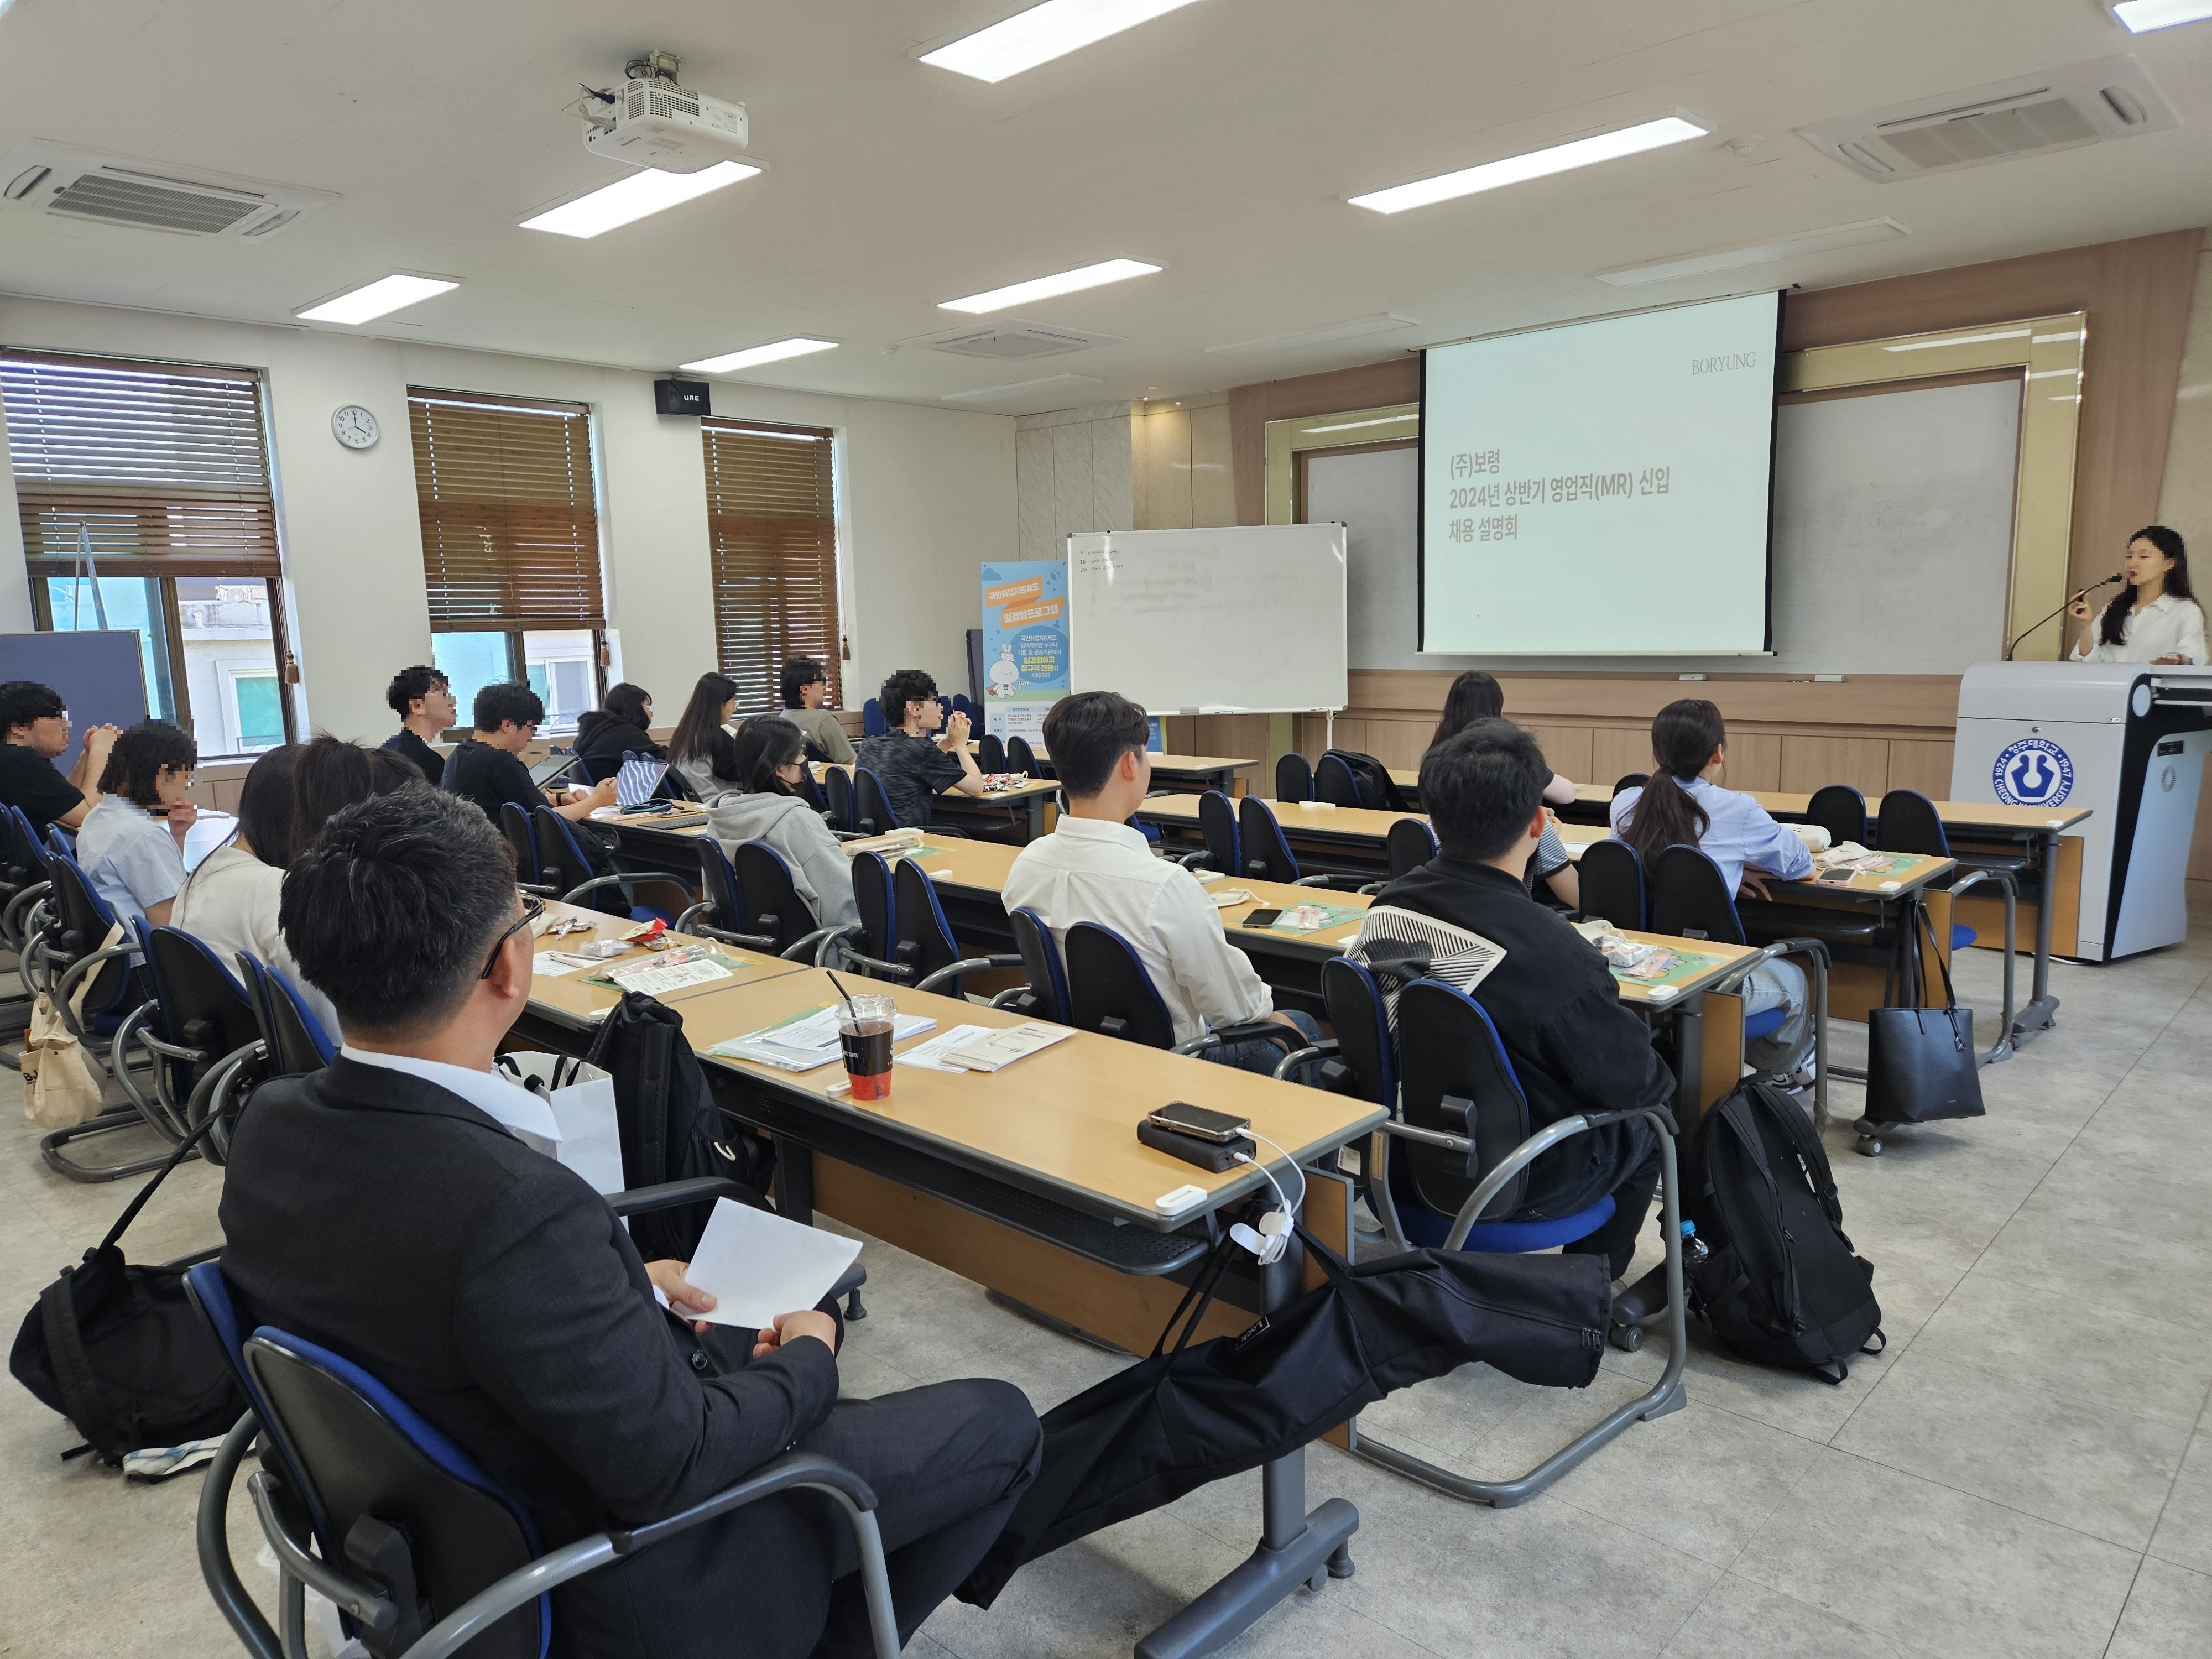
[(1727, 363)]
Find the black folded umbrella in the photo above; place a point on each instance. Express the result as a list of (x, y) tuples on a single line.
[(1171, 1423)]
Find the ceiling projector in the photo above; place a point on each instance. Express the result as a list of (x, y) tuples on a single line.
[(649, 121)]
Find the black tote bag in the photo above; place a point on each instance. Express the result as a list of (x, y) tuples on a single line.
[(1171, 1423), (1921, 1065)]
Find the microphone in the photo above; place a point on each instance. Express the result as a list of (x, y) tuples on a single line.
[(2118, 576)]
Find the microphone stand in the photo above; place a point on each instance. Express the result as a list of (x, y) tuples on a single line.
[(2083, 594)]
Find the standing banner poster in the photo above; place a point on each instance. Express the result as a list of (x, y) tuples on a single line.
[(1024, 646)]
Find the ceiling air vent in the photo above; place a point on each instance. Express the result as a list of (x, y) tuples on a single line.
[(2064, 109), (1013, 341), (114, 190)]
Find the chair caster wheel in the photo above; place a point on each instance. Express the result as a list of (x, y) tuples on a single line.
[(1627, 1337), (1868, 1147), (1318, 1582)]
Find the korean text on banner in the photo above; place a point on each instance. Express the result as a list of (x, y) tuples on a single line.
[(1025, 645)]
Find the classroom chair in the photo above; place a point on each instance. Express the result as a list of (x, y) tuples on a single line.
[(1294, 778), (574, 865), (990, 754), (1045, 997), (1217, 824), (806, 789), (1612, 879), (1465, 1123), (364, 1500), (1020, 757), (871, 808), (205, 1036), (1268, 855), (837, 788), (514, 825), (1108, 992), (873, 723), (293, 1040), (23, 879), (910, 941), (1410, 844), (69, 953), (1909, 822), (62, 841), (1840, 809), (1630, 781), (1335, 783), (754, 903)]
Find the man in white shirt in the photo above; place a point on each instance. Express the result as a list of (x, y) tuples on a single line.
[(1095, 867)]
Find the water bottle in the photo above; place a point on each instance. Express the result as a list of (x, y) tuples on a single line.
[(1694, 1249)]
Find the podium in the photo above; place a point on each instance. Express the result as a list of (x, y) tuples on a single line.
[(2126, 741)]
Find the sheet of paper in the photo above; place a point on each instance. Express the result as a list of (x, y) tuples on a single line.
[(1224, 898), (930, 1055), (994, 1049), (550, 966), (758, 1264), (807, 1040)]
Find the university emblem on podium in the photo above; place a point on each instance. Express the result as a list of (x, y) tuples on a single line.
[(2033, 772)]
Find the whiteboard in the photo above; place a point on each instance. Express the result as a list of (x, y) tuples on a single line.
[(1893, 540), (1248, 620)]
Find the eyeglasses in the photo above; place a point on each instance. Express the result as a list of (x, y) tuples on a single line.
[(532, 909)]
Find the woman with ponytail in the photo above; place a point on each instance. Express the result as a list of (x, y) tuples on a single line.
[(2154, 618), (1684, 805)]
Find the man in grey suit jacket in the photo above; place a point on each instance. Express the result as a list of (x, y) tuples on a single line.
[(395, 1208)]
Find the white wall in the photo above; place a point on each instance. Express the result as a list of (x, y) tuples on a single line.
[(929, 495)]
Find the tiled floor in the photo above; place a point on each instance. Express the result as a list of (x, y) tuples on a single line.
[(2027, 1471)]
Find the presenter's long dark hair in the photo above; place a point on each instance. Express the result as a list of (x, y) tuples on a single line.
[(1473, 697), (1683, 738), (2112, 630), (765, 742), (693, 736)]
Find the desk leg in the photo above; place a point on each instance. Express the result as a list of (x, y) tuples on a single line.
[(1295, 1548), (1690, 1059), (794, 1180), (1034, 829), (2042, 1010)]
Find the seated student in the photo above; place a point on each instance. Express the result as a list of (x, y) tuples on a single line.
[(701, 747), (392, 1208), (1574, 1045), (619, 727), (2154, 617), (769, 758), (804, 684), (913, 767), (483, 768), (132, 846), (332, 774), (424, 702), (1474, 696), (228, 903), (1095, 867), (36, 728), (1685, 804)]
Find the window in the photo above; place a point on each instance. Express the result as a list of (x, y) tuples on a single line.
[(772, 523), (143, 492), (510, 546)]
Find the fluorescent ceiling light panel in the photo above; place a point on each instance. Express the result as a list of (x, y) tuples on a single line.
[(2142, 16), (377, 299), (645, 193), (1380, 323), (1045, 287), (753, 356), (1042, 33), (1754, 253), (1538, 163)]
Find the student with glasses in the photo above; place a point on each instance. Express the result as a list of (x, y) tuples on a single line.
[(425, 704), (34, 733), (485, 766), (132, 844)]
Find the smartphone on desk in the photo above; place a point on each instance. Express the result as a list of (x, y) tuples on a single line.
[(1186, 1118), (1838, 878), (1261, 918)]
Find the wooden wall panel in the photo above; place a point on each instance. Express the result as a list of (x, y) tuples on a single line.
[(1754, 759), (1922, 766), (1616, 751), (1809, 763), (1567, 749)]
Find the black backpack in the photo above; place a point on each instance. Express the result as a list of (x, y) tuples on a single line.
[(118, 1350), (1781, 1285), (670, 1128), (1374, 777)]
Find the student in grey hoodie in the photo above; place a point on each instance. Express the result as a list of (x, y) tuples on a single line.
[(770, 750)]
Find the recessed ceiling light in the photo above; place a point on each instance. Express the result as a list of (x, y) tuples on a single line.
[(377, 299), (1380, 323), (1538, 163), (2142, 16), (649, 190), (1042, 33), (1754, 253), (752, 356), (1044, 287)]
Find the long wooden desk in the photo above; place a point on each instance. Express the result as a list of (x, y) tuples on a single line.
[(567, 994), (1031, 1181), (1193, 773)]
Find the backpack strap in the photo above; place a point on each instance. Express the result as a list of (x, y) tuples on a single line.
[(1810, 1153), (72, 1369), (130, 1210)]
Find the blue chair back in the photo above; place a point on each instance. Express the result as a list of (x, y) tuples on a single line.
[(567, 860), (1362, 1023), (1047, 991), (61, 841), (201, 1005), (1108, 990), (1690, 899), (290, 1031), (1217, 822), (1294, 778), (1267, 852), (807, 790), (837, 787), (873, 723), (514, 825), (718, 881), (1020, 757), (872, 894), (1628, 780), (82, 920), (990, 754), (925, 937), (1448, 1050), (1410, 844), (872, 807), (774, 908), (1612, 879), (1910, 823), (1840, 809), (1335, 783)]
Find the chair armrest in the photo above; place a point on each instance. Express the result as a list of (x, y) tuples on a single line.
[(832, 941), (644, 1200), (742, 941), (953, 970), (1298, 1057), (1247, 1032), (779, 1474), (810, 947), (212, 1537)]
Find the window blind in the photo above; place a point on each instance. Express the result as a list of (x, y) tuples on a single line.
[(772, 521), (165, 465), (510, 521)]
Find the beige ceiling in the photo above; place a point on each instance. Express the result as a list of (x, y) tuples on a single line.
[(1217, 141)]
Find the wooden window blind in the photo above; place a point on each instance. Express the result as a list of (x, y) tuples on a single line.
[(166, 465), (771, 521), (510, 521)]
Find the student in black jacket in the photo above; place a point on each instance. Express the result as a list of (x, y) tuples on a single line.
[(1573, 1043), (394, 1207), (619, 727), (486, 766), (425, 705)]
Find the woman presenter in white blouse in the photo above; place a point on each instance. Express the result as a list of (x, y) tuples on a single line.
[(2153, 619)]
